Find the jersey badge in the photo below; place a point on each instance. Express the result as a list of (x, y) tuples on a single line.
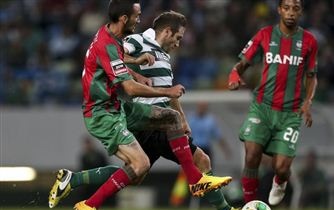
[(118, 67), (299, 45)]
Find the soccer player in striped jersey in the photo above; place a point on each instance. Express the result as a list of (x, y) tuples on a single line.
[(283, 97), (164, 36), (109, 118)]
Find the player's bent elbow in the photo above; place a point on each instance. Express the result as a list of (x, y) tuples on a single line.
[(129, 87)]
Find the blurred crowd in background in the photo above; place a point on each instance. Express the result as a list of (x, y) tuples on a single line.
[(43, 43)]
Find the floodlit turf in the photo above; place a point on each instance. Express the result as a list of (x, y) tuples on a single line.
[(106, 208)]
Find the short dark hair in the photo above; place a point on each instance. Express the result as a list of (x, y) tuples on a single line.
[(117, 8), (171, 19), (281, 1)]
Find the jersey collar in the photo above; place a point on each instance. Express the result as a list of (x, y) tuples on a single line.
[(119, 41), (281, 34), (149, 35)]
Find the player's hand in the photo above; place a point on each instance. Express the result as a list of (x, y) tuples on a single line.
[(144, 80), (176, 91), (144, 59), (305, 111), (234, 80)]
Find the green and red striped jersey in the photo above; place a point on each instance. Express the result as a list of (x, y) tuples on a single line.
[(104, 69), (286, 61)]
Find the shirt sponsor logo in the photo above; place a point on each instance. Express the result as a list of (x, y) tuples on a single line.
[(248, 45), (118, 67), (285, 59)]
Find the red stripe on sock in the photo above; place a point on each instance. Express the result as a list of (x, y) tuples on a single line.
[(249, 187), (278, 180), (116, 182), (181, 149)]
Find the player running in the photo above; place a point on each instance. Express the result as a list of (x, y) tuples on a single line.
[(109, 118), (164, 36), (280, 100)]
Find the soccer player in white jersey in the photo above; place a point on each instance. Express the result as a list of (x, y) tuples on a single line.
[(164, 36)]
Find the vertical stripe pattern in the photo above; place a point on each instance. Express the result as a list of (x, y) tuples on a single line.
[(286, 59), (281, 75)]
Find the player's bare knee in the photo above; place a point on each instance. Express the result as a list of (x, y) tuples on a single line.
[(282, 169), (252, 159), (141, 165), (144, 165)]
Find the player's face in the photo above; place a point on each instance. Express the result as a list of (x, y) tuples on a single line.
[(133, 20), (290, 12), (172, 41)]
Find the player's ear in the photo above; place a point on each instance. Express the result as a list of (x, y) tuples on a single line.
[(169, 31), (124, 19), (279, 10)]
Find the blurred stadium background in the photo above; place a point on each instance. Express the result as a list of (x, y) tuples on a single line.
[(43, 43)]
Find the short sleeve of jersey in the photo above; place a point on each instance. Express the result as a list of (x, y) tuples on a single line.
[(253, 51), (312, 60), (113, 64), (132, 44)]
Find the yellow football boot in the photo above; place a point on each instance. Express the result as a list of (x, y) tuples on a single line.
[(61, 188), (82, 206), (208, 183)]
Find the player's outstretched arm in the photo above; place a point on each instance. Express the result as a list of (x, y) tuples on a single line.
[(234, 79), (133, 88)]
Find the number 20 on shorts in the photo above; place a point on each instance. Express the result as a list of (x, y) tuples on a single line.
[(291, 135)]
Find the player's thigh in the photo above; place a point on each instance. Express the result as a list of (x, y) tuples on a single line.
[(137, 115), (110, 129), (287, 134), (256, 126), (142, 117)]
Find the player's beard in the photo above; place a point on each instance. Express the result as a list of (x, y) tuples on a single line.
[(129, 29)]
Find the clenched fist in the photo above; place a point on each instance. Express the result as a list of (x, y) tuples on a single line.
[(176, 91)]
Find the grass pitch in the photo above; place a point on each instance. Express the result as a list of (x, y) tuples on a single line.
[(110, 208)]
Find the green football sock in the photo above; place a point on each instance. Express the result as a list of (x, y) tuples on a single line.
[(96, 176), (216, 198)]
